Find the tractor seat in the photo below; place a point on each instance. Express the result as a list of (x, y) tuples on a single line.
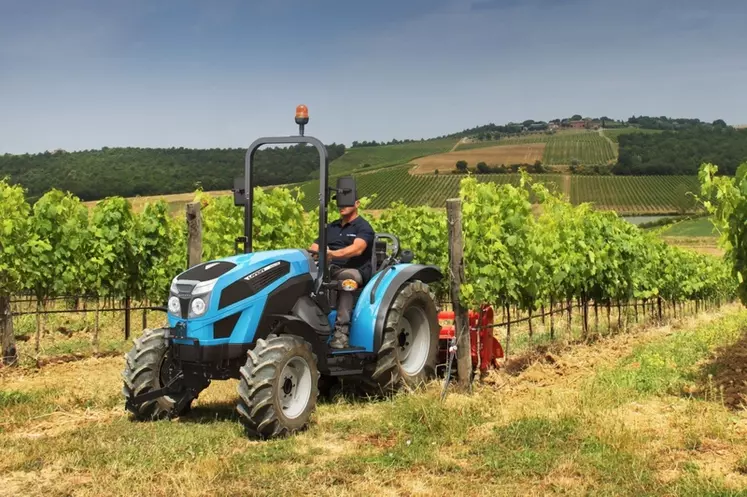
[(379, 254)]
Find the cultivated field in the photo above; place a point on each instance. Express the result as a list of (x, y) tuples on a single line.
[(633, 194), (653, 412), (587, 148), (397, 184), (363, 158), (514, 140), (624, 194), (492, 156)]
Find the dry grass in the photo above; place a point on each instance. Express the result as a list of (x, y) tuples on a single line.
[(176, 200), (492, 156), (702, 244), (577, 420)]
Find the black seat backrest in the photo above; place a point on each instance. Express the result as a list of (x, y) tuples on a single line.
[(379, 253)]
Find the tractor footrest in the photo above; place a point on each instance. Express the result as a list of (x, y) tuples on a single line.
[(335, 371), (347, 350)]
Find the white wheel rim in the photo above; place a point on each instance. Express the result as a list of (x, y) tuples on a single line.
[(294, 387), (413, 340)]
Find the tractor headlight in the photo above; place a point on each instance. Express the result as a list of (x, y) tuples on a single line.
[(198, 306), (174, 306)]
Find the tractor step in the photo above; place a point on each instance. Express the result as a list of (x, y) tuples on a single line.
[(336, 371), (347, 350)]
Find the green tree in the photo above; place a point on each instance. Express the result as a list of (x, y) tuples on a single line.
[(461, 166)]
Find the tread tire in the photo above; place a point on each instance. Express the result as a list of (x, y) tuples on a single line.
[(259, 407), (142, 374), (386, 376)]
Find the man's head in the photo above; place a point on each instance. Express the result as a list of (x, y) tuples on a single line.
[(347, 198), (348, 212)]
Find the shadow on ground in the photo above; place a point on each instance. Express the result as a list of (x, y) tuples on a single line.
[(725, 374), (211, 412)]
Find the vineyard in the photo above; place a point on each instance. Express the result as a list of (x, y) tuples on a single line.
[(586, 148), (630, 194), (513, 258), (396, 184), (622, 194)]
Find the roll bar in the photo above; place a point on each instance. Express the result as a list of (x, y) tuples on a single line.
[(248, 197)]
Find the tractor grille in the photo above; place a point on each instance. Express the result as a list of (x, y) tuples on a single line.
[(253, 283), (184, 289)]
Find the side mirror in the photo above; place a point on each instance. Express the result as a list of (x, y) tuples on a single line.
[(346, 193), (238, 192), (406, 257)]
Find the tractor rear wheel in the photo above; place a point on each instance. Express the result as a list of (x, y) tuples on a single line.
[(278, 387), (149, 367), (409, 347)]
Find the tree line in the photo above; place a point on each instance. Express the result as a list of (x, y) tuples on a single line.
[(681, 152), (127, 172)]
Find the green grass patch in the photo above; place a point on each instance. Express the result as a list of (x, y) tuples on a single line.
[(533, 447), (17, 407), (693, 227), (665, 366), (13, 398)]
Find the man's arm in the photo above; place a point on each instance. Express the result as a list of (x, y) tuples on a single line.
[(356, 248)]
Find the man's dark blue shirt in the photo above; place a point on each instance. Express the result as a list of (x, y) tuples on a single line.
[(339, 236)]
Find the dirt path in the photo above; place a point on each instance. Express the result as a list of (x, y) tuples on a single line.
[(567, 184), (456, 145), (614, 146)]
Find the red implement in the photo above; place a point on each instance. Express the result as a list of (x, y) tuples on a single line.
[(482, 332)]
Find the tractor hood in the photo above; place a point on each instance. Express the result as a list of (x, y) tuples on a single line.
[(220, 285)]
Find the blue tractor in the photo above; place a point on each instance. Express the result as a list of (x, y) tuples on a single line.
[(266, 319)]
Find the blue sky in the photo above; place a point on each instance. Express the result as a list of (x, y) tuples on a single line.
[(82, 74)]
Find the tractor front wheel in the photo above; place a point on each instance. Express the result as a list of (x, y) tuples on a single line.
[(148, 367), (409, 346), (278, 387)]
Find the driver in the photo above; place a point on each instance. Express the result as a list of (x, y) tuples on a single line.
[(350, 241)]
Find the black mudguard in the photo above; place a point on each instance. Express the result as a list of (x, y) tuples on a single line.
[(292, 325), (426, 274)]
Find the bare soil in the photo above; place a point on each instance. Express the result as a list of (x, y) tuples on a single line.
[(492, 156)]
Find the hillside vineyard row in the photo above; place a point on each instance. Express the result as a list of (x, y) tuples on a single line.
[(512, 257)]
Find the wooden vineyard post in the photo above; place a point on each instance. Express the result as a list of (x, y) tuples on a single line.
[(127, 317), (7, 338), (552, 319), (456, 268), (194, 234), (658, 301)]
